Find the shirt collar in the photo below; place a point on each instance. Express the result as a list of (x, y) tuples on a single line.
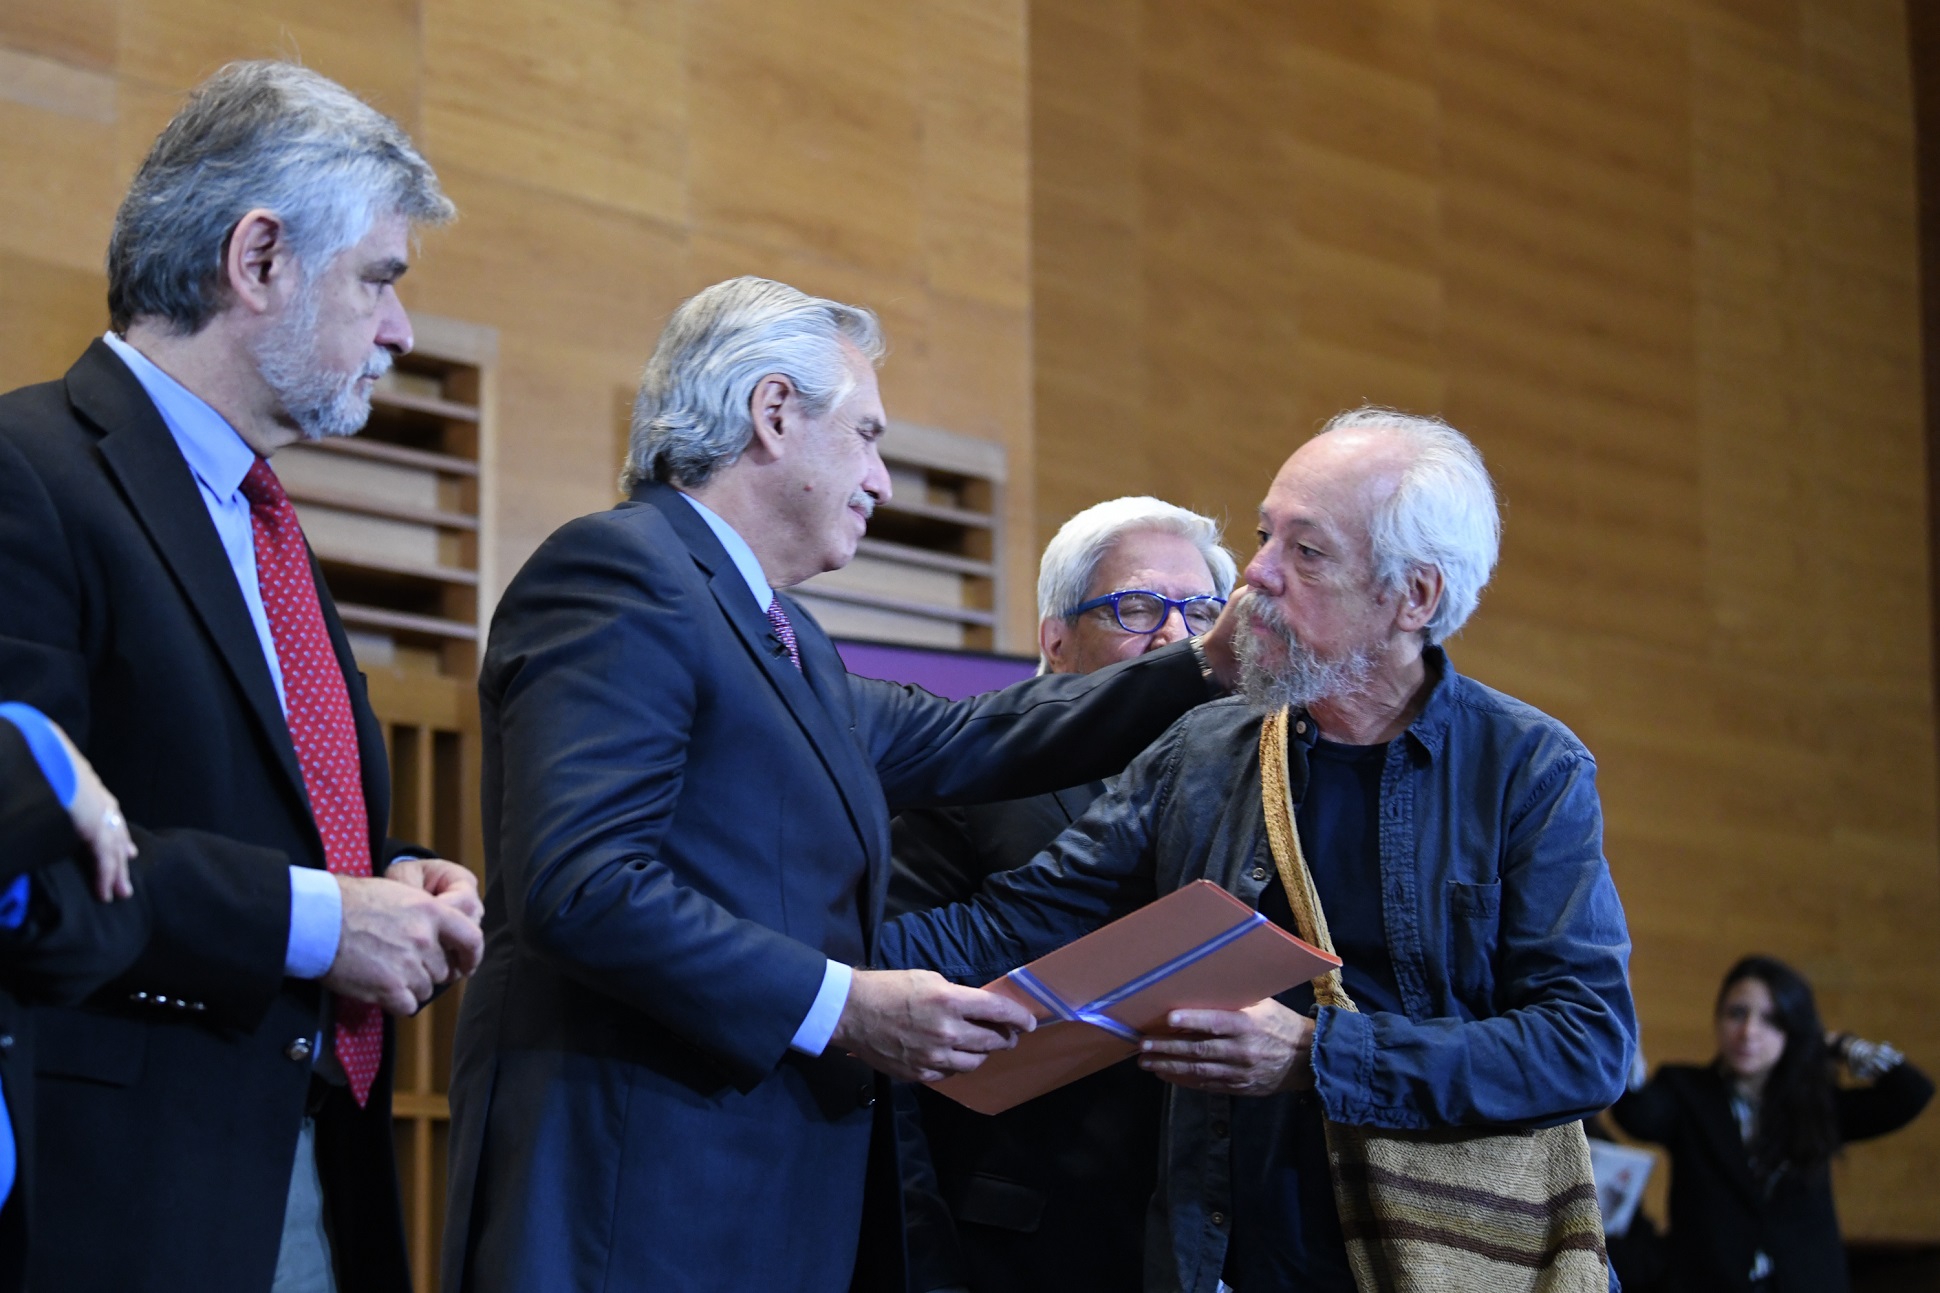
[(218, 456), (738, 551), (1430, 727)]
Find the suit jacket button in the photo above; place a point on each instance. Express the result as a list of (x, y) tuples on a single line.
[(865, 1096), (1259, 873), (298, 1050), (6, 1041)]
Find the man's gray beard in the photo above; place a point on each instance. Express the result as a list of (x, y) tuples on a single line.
[(1304, 677), (322, 403)]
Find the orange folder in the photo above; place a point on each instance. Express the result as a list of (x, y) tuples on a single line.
[(1196, 948)]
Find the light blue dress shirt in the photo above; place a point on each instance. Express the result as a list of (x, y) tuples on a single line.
[(812, 1038), (49, 754), (220, 459)]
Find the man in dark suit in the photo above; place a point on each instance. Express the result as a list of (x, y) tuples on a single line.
[(667, 1069), (1050, 1195), (225, 1102)]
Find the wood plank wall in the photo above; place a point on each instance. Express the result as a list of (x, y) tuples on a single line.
[(607, 160), (1659, 259), (1657, 256)]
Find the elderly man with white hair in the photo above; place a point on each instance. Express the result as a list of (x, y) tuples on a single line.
[(1453, 839), (1051, 1195)]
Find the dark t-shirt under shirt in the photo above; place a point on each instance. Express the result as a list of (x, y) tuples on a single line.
[(1286, 1231)]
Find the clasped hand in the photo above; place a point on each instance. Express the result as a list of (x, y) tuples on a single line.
[(1260, 1050), (407, 933)]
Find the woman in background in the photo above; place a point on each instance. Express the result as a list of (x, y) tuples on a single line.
[(1752, 1134)]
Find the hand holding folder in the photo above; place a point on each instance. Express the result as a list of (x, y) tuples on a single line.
[(1196, 948)]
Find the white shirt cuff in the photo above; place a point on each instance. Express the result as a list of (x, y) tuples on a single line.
[(316, 922), (812, 1038)]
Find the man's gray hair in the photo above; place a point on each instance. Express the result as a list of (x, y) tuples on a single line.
[(692, 418), (1443, 516), (1072, 557), (258, 134)]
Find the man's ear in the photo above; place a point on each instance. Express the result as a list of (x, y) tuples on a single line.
[(1052, 633), (1421, 593), (773, 408), (257, 266)]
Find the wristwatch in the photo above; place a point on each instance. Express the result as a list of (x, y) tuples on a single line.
[(1198, 645)]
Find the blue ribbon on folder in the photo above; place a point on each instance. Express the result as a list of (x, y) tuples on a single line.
[(1093, 1012)]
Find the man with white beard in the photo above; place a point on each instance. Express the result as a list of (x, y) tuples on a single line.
[(219, 1117), (1454, 839)]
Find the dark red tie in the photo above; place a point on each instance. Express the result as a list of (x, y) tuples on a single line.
[(778, 620), (317, 705)]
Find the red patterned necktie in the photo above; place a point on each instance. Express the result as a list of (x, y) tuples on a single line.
[(778, 620), (317, 706)]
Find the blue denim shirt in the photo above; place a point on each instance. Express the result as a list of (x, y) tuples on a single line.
[(1508, 940)]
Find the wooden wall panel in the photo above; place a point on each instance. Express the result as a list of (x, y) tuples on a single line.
[(1658, 257), (608, 159)]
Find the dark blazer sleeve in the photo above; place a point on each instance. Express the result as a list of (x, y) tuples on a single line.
[(220, 916), (1651, 1112), (1894, 1099), (1031, 738), (70, 943)]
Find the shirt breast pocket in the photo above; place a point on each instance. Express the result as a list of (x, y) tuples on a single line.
[(1475, 917)]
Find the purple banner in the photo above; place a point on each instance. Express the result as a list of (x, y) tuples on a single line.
[(950, 674)]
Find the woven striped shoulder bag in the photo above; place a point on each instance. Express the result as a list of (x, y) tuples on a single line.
[(1455, 1208)]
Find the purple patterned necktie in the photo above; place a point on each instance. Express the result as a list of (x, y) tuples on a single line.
[(778, 620)]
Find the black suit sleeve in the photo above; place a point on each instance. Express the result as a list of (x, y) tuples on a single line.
[(1893, 1100), (70, 943), (1033, 737), (220, 916), (1651, 1112)]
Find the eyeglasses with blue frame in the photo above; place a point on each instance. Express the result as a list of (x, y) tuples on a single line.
[(1140, 610)]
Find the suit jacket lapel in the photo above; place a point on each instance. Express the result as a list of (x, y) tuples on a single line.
[(142, 457), (817, 721), (828, 677)]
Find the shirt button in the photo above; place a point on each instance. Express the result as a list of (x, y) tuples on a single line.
[(1259, 873), (1219, 1218), (298, 1050)]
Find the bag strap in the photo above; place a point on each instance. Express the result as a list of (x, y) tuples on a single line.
[(1276, 795)]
